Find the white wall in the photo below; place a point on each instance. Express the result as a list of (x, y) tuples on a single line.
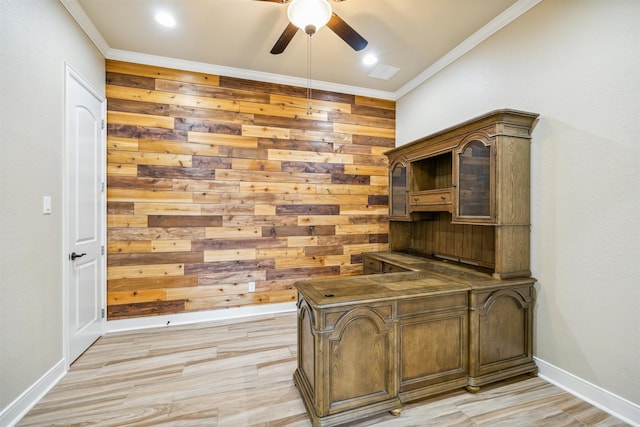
[(37, 37), (577, 64)]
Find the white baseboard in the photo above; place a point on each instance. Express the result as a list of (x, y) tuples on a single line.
[(28, 399), (617, 406), (197, 316)]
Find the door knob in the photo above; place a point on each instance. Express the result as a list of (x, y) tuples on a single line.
[(74, 255)]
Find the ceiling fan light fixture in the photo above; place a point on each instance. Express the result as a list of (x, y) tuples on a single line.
[(309, 15)]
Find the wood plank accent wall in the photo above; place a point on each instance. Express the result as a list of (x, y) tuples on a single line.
[(213, 182)]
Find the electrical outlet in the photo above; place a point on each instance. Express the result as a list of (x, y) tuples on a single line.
[(252, 286)]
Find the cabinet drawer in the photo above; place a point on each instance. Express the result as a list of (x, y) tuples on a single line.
[(436, 199)]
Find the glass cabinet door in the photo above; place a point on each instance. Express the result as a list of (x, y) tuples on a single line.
[(398, 202), (474, 186)]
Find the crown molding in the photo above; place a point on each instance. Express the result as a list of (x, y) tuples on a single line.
[(496, 24), (86, 24)]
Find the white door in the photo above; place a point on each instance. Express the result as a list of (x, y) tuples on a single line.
[(85, 111)]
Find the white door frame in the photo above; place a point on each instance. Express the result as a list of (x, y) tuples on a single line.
[(71, 74)]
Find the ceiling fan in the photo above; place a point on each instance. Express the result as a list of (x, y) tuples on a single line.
[(310, 16)]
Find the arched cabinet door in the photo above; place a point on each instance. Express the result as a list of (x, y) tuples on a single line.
[(360, 360), (474, 181), (398, 192), (501, 324)]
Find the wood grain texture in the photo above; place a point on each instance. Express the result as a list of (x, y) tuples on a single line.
[(215, 179), (238, 373)]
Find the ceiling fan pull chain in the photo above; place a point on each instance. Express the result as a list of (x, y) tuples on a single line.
[(308, 74)]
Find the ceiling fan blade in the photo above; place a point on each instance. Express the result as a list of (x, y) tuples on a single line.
[(346, 33), (284, 39)]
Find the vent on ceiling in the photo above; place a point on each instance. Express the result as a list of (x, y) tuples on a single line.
[(383, 72)]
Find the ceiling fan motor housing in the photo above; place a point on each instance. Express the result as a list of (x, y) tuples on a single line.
[(309, 15)]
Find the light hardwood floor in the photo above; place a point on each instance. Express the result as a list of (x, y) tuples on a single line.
[(239, 373)]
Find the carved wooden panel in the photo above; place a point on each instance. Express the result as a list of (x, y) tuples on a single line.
[(214, 182)]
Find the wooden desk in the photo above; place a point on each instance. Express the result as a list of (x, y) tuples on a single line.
[(367, 344)]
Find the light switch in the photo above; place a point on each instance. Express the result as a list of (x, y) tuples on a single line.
[(46, 205)]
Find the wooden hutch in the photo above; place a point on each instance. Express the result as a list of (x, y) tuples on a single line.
[(454, 307)]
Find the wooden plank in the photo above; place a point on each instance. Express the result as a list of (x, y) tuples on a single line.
[(168, 221), (302, 241), (138, 271), (303, 273), (374, 141), (140, 119), (222, 139), (264, 210), (161, 73), (317, 209), (355, 119), (131, 246), (316, 104), (149, 259), (362, 228), (144, 132), (318, 251), (276, 110), (135, 195), (117, 285), (364, 130), (181, 147), (366, 247), (265, 131), (121, 143), (307, 220), (137, 158), (338, 199), (126, 221), (155, 308), (229, 266), (122, 234), (364, 209), (165, 208), (219, 232), (277, 187), (295, 230), (256, 165), (171, 246), (205, 185), (208, 198), (375, 102), (313, 135), (308, 156), (274, 253), (163, 171), (270, 176), (237, 243), (351, 189), (139, 183), (230, 277), (229, 255), (127, 80), (121, 170), (129, 297)]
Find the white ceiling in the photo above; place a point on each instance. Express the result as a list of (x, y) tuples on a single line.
[(234, 37)]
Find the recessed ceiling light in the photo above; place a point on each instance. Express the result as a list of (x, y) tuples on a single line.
[(369, 59), (165, 19)]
